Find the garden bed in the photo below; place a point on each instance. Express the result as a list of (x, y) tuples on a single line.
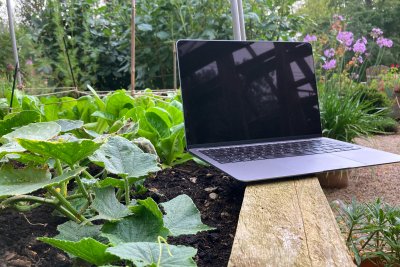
[(217, 196)]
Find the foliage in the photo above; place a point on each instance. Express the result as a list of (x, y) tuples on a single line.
[(345, 116), (57, 155), (97, 35), (349, 108), (372, 231), (153, 118), (364, 15)]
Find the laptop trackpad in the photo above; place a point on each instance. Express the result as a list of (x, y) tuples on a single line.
[(285, 167), (320, 163)]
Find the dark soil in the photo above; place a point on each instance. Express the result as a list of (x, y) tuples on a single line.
[(217, 196)]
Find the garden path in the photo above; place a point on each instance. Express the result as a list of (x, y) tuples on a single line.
[(367, 184)]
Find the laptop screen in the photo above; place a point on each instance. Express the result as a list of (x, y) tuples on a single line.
[(247, 91)]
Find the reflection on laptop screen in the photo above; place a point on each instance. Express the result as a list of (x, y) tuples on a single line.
[(247, 91)]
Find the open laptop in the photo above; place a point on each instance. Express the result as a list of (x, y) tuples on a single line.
[(251, 110)]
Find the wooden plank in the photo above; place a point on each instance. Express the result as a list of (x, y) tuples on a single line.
[(287, 223)]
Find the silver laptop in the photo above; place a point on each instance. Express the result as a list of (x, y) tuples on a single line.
[(251, 110)]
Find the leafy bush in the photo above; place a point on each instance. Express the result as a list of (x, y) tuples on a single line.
[(345, 116), (372, 231), (156, 118), (54, 157)]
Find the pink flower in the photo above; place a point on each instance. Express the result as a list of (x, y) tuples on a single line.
[(330, 64), (384, 42), (376, 32), (338, 17), (310, 38), (345, 38), (360, 59), (329, 52), (359, 46), (29, 62)]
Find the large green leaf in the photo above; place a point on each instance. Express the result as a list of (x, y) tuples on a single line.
[(23, 181), (69, 125), (118, 102), (144, 254), (122, 157), (173, 147), (182, 217), (107, 205), (19, 119), (87, 249), (68, 152), (10, 148), (157, 123), (71, 231), (145, 225), (33, 131)]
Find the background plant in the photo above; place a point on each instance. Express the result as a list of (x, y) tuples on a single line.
[(97, 35), (372, 231), (55, 158)]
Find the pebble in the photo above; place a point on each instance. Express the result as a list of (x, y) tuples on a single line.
[(224, 214), (213, 195), (193, 179), (210, 189), (209, 175), (20, 263), (61, 257)]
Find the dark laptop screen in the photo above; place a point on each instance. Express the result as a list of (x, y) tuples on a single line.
[(242, 91)]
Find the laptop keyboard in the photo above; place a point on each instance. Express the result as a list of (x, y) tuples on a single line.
[(276, 150)]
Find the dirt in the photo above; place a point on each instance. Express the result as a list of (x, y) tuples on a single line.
[(367, 184), (217, 196)]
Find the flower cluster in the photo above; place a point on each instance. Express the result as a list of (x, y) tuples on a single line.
[(345, 38), (310, 38), (338, 17), (376, 32), (360, 46), (384, 42), (329, 52), (329, 64), (347, 44)]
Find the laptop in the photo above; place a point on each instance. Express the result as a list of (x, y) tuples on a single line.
[(251, 110)]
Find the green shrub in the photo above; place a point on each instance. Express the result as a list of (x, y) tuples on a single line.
[(372, 231), (387, 124), (376, 98), (345, 116)]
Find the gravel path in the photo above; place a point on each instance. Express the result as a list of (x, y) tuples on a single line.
[(367, 184)]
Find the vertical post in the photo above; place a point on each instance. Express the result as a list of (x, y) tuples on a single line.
[(70, 65), (13, 39), (133, 48), (235, 20), (174, 64), (241, 20)]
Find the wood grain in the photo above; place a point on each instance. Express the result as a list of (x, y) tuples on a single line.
[(287, 223)]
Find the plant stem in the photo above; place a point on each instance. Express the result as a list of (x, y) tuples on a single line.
[(64, 202), (25, 208), (41, 200), (126, 185), (74, 196), (60, 171), (83, 189), (68, 214)]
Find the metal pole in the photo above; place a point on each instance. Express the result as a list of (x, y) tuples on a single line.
[(133, 48), (174, 65), (235, 20), (13, 40), (241, 20)]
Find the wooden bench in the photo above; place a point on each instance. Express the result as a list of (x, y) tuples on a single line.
[(288, 223)]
